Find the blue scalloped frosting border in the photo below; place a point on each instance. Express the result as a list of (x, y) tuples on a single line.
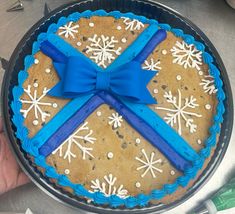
[(98, 197)]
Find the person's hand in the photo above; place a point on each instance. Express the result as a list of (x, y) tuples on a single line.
[(11, 175)]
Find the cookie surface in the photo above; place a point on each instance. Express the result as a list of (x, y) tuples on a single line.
[(107, 153)]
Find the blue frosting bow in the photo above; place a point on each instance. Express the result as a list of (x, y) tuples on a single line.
[(78, 77)]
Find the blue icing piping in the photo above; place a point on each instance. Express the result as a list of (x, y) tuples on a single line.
[(97, 197)]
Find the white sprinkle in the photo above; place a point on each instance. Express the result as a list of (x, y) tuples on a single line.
[(123, 40), (200, 73), (54, 105), (137, 140), (91, 24), (172, 172), (35, 122), (36, 61), (155, 91), (208, 106), (119, 27), (164, 52), (110, 155), (48, 70), (79, 43), (199, 141), (67, 171), (178, 77), (98, 113), (35, 85), (137, 184)]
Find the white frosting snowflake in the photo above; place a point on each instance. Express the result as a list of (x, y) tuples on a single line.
[(103, 49), (186, 55), (35, 104), (208, 85), (108, 187), (68, 30), (83, 134), (133, 24), (149, 164), (154, 66), (115, 120), (180, 111)]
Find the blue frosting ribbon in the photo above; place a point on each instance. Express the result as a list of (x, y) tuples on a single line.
[(79, 75)]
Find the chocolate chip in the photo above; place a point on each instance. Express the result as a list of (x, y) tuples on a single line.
[(164, 87), (133, 33), (155, 81), (84, 50), (93, 167), (124, 145), (186, 88), (84, 38), (119, 135)]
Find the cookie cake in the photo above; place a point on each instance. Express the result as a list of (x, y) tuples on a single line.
[(117, 109)]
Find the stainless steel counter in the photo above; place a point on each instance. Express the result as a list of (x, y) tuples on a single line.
[(215, 18)]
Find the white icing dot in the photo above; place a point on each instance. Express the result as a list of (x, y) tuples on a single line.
[(123, 40), (79, 43), (54, 105), (199, 141), (36, 61), (67, 171), (208, 106), (164, 52), (98, 113), (91, 24), (119, 27), (178, 77), (155, 91), (110, 155), (137, 184), (48, 70), (35, 85), (35, 122), (200, 73), (172, 172), (137, 140)]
